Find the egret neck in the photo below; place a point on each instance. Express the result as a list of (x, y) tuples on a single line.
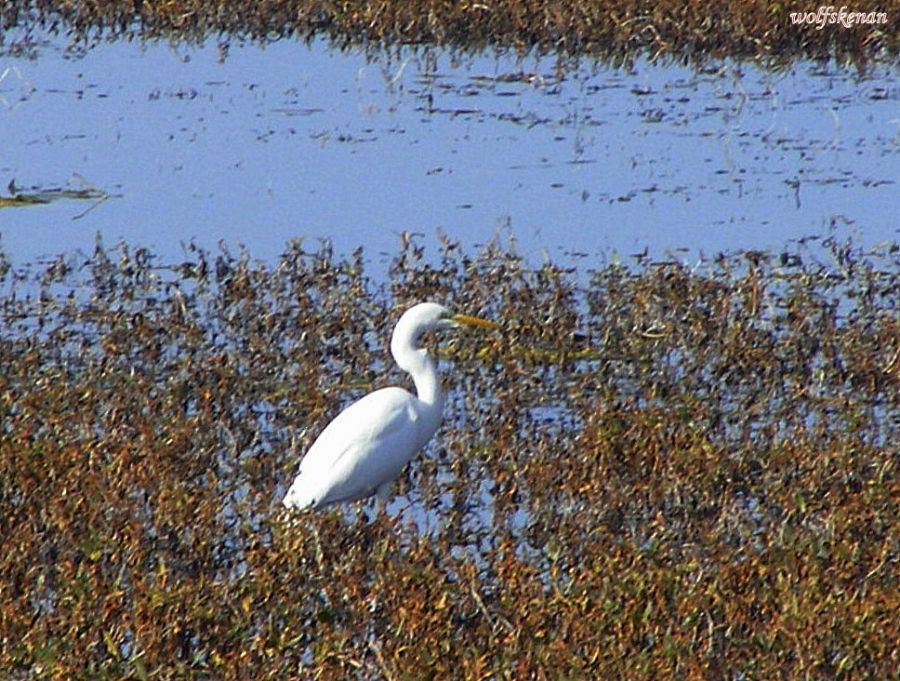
[(422, 367)]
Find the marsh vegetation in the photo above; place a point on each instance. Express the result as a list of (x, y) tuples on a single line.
[(652, 471), (612, 31)]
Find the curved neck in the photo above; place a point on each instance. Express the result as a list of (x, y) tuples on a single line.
[(428, 381), (421, 366)]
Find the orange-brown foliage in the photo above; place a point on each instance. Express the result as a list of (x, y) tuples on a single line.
[(651, 473)]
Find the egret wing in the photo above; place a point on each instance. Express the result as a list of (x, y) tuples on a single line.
[(365, 446)]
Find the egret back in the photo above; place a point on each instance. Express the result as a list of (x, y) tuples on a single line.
[(364, 447)]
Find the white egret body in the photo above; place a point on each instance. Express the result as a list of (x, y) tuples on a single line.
[(365, 447)]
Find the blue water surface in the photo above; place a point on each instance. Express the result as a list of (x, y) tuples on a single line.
[(293, 141)]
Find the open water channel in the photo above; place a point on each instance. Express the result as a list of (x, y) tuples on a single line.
[(160, 145)]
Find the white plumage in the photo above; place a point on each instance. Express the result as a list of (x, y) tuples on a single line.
[(365, 447)]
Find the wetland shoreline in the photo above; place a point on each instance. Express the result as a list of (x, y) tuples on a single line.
[(609, 31)]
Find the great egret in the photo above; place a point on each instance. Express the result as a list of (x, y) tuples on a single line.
[(367, 445)]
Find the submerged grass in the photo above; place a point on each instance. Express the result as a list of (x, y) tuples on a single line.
[(650, 473), (609, 30)]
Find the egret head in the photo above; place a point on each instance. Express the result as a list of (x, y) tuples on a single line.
[(421, 318)]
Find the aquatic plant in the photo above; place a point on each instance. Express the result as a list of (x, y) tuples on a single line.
[(652, 471)]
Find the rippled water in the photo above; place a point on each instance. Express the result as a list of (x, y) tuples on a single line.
[(288, 141)]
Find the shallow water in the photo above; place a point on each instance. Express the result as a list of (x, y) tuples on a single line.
[(288, 141)]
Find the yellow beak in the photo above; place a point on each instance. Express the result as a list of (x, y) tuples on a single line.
[(474, 321)]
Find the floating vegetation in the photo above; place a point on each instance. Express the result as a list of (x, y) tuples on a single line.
[(36, 196), (609, 30), (657, 471)]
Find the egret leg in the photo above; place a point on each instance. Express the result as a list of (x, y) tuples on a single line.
[(404, 514), (382, 494)]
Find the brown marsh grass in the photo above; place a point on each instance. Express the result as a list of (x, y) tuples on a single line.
[(612, 31), (651, 472)]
